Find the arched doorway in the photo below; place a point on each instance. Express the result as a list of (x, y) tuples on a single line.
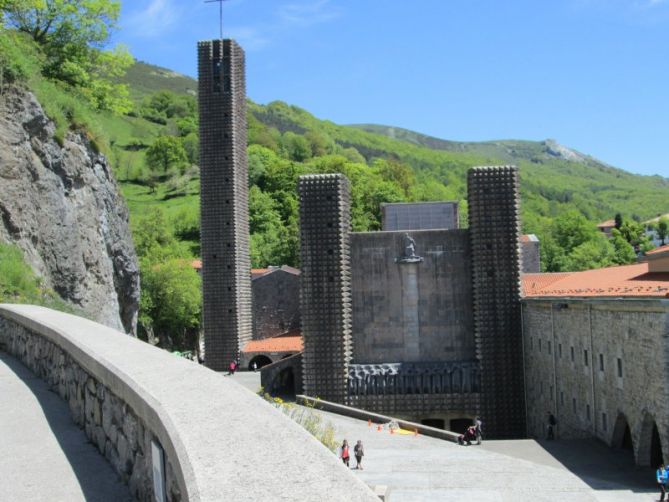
[(260, 361), (649, 451), (622, 435)]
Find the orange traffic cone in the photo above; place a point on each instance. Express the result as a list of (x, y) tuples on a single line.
[(369, 422)]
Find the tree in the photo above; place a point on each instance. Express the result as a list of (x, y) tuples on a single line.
[(165, 153), (662, 229), (171, 303), (72, 34), (623, 250), (618, 220), (88, 22), (574, 243), (635, 233)]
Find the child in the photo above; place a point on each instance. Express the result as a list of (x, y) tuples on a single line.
[(343, 452)]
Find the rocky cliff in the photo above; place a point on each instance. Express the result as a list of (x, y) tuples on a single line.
[(61, 206)]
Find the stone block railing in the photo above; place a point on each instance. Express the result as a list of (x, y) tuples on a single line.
[(219, 440)]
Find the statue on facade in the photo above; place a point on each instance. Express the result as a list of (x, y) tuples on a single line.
[(410, 255)]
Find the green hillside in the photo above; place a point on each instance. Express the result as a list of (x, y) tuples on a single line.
[(393, 164)]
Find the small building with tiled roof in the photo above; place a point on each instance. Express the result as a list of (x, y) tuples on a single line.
[(270, 350), (596, 354), (607, 226)]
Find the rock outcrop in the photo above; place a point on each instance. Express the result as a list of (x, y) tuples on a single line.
[(61, 206)]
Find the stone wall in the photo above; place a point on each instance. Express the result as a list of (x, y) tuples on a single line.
[(125, 392), (276, 303), (396, 319), (109, 422), (275, 377), (586, 392)]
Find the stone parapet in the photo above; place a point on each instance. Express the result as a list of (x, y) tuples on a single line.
[(127, 394)]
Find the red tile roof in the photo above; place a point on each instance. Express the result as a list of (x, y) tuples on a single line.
[(276, 344), (661, 249), (627, 280)]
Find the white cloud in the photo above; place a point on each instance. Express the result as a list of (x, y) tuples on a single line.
[(156, 18), (308, 13)]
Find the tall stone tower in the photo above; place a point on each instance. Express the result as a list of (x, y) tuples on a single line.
[(325, 284), (224, 228), (494, 229)]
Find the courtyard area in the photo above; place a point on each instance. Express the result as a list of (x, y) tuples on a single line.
[(420, 468)]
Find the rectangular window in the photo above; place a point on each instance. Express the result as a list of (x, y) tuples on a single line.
[(572, 354), (585, 356), (587, 411), (560, 350), (216, 75), (549, 348), (573, 404), (561, 398), (601, 362), (551, 395), (605, 425), (620, 367)]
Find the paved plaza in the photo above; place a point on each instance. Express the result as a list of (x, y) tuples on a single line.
[(420, 468), (45, 456)]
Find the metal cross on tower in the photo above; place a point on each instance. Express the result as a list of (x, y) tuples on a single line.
[(220, 12)]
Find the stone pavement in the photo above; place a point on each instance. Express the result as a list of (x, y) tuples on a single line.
[(45, 456), (419, 468)]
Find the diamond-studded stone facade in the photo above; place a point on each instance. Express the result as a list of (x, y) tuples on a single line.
[(224, 229), (325, 290), (494, 226)]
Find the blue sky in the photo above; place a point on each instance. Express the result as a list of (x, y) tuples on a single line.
[(592, 74)]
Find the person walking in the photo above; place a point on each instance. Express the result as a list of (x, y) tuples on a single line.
[(232, 367), (479, 429), (661, 476), (551, 424), (343, 453), (359, 452)]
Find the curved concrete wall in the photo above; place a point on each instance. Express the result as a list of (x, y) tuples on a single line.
[(221, 442)]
